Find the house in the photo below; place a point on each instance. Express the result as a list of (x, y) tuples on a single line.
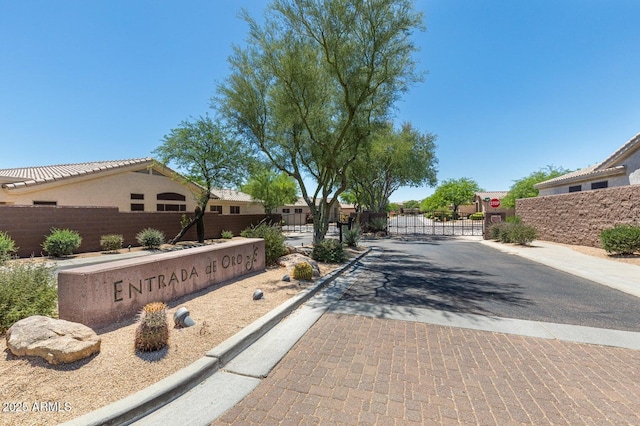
[(228, 201), (296, 213), (139, 184), (483, 201), (620, 169)]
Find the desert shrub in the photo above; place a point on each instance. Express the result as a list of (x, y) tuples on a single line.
[(111, 242), (520, 233), (150, 238), (621, 239), (513, 219), (273, 241), (442, 215), (152, 332), (26, 289), (495, 230), (504, 234), (329, 250), (378, 224), (513, 232), (476, 216), (302, 271), (61, 242), (7, 246), (352, 236), (227, 235)]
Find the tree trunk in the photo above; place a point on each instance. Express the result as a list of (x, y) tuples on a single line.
[(199, 214)]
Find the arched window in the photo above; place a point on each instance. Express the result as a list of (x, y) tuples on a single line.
[(167, 205)]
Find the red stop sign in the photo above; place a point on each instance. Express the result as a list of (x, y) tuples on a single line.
[(494, 203)]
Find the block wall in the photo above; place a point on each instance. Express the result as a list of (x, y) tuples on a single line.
[(29, 225), (579, 217)]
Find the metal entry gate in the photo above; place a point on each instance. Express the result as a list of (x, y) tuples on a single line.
[(434, 223)]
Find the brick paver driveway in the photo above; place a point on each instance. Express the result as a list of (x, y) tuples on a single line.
[(353, 369)]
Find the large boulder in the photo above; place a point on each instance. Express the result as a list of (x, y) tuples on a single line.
[(55, 340), (290, 260)]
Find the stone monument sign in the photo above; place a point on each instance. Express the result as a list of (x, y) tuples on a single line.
[(102, 294)]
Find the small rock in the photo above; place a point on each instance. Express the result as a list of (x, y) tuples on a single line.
[(56, 341), (257, 295), (286, 278)]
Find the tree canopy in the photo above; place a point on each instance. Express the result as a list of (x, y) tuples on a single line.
[(454, 192), (313, 80), (523, 187), (271, 188), (205, 154), (394, 159)]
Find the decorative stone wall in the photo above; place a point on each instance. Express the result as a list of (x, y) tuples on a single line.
[(579, 217), (103, 294)]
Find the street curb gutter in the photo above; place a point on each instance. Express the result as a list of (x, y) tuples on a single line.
[(136, 406)]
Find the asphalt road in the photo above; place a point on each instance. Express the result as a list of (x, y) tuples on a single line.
[(463, 276)]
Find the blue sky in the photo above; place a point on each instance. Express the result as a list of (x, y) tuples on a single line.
[(512, 85)]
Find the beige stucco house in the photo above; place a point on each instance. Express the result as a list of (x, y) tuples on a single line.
[(482, 202), (296, 213), (620, 169), (139, 184)]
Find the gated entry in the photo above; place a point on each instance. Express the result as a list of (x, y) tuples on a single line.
[(434, 223)]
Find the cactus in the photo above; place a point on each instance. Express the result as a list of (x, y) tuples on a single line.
[(302, 271), (152, 333)]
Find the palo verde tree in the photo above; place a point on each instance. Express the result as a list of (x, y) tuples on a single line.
[(524, 187), (207, 155), (312, 82), (454, 192), (394, 159), (273, 189)]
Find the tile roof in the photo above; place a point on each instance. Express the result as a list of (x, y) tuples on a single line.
[(610, 166), (492, 194), (28, 176), (231, 195)]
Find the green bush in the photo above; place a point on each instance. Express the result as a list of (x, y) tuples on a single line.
[(111, 242), (495, 230), (513, 232), (61, 242), (378, 224), (513, 219), (520, 233), (26, 289), (150, 238), (476, 216), (7, 246), (621, 239), (273, 241), (442, 215), (352, 236), (329, 251), (227, 235)]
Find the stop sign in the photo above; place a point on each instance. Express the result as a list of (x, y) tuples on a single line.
[(495, 203)]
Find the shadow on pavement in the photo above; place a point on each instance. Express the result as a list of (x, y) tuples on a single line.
[(389, 278)]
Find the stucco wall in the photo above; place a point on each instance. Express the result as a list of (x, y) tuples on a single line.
[(631, 177), (112, 190), (579, 217), (29, 225)]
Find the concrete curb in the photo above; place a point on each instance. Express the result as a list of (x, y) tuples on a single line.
[(145, 401)]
